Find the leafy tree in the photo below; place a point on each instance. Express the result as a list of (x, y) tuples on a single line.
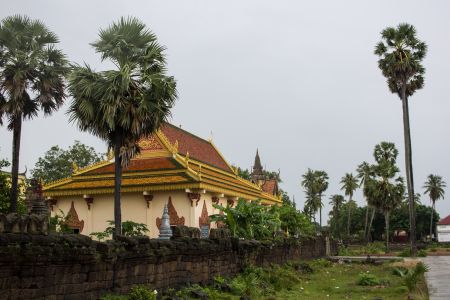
[(32, 73), (129, 228), (336, 202), (58, 163), (251, 220), (125, 104), (5, 191), (434, 187), (349, 186), (400, 60), (243, 173), (294, 222)]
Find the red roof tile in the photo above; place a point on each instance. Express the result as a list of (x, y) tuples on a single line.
[(445, 221), (198, 148), (270, 186)]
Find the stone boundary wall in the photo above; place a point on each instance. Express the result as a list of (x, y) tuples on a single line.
[(76, 267)]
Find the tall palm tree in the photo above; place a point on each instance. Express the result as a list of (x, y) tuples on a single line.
[(434, 187), (349, 186), (32, 73), (308, 183), (336, 202), (125, 104), (365, 171), (321, 184), (401, 55)]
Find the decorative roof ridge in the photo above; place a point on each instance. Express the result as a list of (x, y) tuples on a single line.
[(234, 171), (54, 183), (92, 167), (185, 131)]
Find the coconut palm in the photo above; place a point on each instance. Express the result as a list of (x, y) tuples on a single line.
[(32, 75), (349, 186), (365, 171), (336, 202), (128, 103), (308, 183), (321, 185), (401, 55), (434, 187)]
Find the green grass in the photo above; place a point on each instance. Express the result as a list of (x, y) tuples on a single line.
[(316, 279)]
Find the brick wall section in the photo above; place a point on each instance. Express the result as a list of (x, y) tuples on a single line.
[(75, 267)]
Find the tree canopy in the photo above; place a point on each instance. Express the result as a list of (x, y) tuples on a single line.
[(58, 163)]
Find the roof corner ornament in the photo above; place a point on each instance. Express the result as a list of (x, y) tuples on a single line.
[(110, 155), (75, 168), (175, 147)]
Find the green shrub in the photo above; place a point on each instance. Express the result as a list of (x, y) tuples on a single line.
[(140, 292), (422, 253), (375, 248), (344, 251), (366, 279), (411, 277), (405, 253), (114, 297)]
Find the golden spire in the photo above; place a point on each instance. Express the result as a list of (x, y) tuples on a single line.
[(74, 168)]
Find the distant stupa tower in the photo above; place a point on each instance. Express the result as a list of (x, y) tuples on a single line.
[(257, 175)]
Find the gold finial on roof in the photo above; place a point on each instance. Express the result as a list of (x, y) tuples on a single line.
[(74, 168), (175, 147), (110, 154)]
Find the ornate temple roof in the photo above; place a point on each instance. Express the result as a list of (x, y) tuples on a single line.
[(171, 159), (270, 186)]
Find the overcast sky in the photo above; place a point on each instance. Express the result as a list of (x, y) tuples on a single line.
[(296, 79)]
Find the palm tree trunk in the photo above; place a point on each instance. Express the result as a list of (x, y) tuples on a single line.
[(409, 171), (349, 215), (320, 216), (338, 223), (369, 229), (17, 132), (117, 184), (386, 217), (367, 220), (431, 221)]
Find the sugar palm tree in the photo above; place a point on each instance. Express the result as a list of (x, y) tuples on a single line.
[(385, 188), (125, 104), (400, 60), (434, 187), (32, 73), (365, 171), (349, 186), (336, 202)]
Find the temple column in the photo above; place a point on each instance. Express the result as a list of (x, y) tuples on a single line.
[(90, 218)]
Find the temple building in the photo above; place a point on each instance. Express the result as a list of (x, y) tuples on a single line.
[(174, 167)]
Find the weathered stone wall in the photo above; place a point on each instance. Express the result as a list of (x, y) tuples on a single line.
[(76, 267)]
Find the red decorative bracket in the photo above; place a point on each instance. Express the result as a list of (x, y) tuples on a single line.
[(215, 200), (89, 201), (194, 197), (52, 202), (148, 199)]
